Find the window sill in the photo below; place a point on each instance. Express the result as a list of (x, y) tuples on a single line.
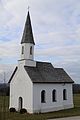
[(54, 101), (43, 102)]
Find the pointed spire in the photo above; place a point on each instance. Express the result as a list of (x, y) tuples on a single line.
[(28, 34)]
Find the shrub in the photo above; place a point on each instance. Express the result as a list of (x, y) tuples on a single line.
[(12, 109), (23, 110)]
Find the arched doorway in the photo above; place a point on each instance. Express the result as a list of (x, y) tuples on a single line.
[(20, 103)]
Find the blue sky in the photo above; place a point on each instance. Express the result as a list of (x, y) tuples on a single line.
[(56, 28)]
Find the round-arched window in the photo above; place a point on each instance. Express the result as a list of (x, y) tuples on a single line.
[(64, 94), (43, 93), (31, 50), (54, 95)]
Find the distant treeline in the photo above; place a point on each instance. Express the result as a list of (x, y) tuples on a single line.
[(5, 89), (76, 88)]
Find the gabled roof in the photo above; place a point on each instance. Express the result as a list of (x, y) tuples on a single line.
[(13, 74), (28, 34), (46, 73)]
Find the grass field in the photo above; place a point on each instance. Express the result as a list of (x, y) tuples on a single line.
[(6, 115)]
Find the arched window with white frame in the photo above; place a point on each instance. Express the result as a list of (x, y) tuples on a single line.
[(43, 96), (54, 96), (31, 50), (64, 94), (22, 49)]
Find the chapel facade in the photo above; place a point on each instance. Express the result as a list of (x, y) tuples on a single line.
[(38, 86)]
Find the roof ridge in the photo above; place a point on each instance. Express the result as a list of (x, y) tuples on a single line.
[(43, 62)]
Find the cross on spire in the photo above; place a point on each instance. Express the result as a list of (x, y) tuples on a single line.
[(28, 8)]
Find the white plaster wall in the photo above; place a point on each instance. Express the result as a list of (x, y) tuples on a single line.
[(69, 102), (21, 86), (26, 54), (49, 105), (27, 63)]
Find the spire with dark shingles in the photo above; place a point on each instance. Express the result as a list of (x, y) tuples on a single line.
[(28, 34)]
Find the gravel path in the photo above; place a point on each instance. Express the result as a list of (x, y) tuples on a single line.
[(68, 118)]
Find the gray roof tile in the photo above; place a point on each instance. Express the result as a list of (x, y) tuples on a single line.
[(46, 73)]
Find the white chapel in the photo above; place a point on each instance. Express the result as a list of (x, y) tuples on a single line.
[(37, 86)]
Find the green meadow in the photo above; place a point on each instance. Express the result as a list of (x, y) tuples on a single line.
[(6, 115)]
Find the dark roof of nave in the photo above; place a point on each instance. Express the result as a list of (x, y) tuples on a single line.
[(46, 73)]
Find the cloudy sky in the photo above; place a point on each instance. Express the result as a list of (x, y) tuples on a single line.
[(56, 28)]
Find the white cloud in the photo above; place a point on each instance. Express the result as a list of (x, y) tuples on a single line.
[(9, 49), (65, 51)]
